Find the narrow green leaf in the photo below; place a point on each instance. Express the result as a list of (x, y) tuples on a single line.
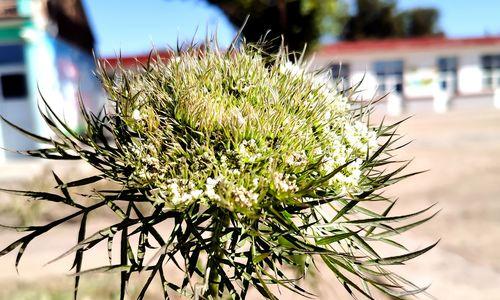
[(399, 259), (31, 135), (257, 259), (402, 229), (344, 210), (77, 263), (103, 269), (341, 276), (384, 214), (382, 220), (334, 238), (85, 181)]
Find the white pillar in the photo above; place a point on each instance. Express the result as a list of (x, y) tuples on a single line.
[(496, 98), (441, 101), (394, 104)]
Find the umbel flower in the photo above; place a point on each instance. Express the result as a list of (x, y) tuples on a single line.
[(239, 169)]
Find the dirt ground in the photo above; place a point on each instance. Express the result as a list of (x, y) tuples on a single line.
[(462, 151)]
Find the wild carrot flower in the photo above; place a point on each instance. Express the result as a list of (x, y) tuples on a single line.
[(256, 160)]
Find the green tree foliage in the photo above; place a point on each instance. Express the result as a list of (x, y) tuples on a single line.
[(300, 22), (421, 22), (378, 19)]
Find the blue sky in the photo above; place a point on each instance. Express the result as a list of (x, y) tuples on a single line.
[(133, 26)]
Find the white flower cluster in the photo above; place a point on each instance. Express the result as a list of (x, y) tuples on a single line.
[(284, 183), (210, 185), (244, 197), (146, 161), (297, 159), (241, 196), (360, 138), (291, 69), (348, 180), (181, 193), (136, 115), (355, 142), (249, 151)]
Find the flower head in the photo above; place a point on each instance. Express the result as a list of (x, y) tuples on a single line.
[(246, 121)]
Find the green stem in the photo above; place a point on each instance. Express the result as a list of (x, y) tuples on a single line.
[(217, 250)]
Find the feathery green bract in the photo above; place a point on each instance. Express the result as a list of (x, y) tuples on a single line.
[(257, 167)]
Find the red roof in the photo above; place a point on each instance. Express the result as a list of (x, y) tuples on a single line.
[(134, 60), (405, 44), (354, 47)]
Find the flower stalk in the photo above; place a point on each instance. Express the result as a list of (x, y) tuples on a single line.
[(218, 250)]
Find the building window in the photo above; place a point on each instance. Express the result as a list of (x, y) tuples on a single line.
[(389, 76), (340, 75), (13, 86), (491, 71), (447, 74)]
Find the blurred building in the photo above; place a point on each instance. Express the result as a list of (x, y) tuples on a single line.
[(436, 71), (45, 48)]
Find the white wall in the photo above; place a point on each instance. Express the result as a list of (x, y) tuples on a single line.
[(470, 75), (420, 75)]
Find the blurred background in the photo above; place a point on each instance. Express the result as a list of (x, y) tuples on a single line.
[(436, 60)]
